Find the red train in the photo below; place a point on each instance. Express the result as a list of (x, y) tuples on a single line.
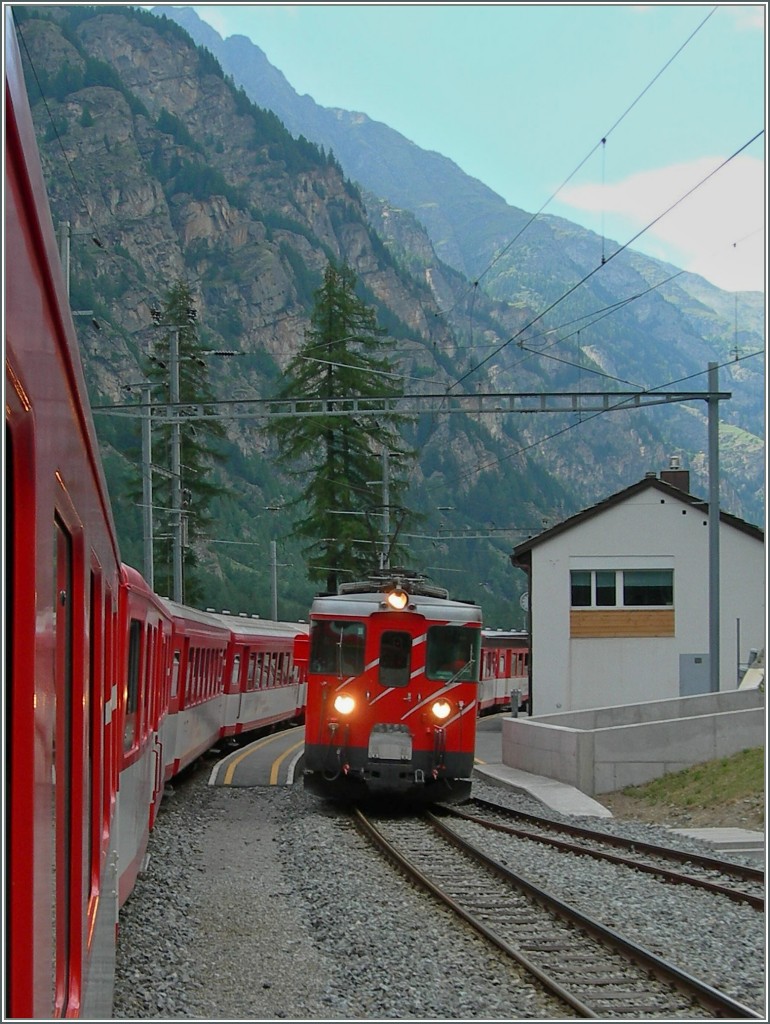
[(110, 689), (392, 691), (504, 670)]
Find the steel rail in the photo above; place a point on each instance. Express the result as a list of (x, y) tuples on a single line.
[(413, 872), (746, 871), (706, 995), (757, 902), (715, 1002)]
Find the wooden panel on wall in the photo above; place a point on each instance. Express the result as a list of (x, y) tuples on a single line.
[(612, 622)]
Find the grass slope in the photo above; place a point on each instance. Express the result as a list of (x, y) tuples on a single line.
[(729, 791)]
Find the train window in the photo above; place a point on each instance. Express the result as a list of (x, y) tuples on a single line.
[(132, 696), (189, 693), (253, 674), (337, 647), (395, 658), (235, 674), (149, 672), (175, 673), (452, 653)]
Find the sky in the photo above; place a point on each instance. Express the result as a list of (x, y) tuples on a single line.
[(605, 114)]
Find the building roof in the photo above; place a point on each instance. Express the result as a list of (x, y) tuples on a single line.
[(520, 553)]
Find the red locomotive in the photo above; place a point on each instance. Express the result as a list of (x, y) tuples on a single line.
[(392, 691)]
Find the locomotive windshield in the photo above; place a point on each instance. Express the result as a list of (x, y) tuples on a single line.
[(395, 657), (453, 652), (337, 647)]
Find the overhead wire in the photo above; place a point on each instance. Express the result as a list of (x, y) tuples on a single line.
[(602, 142), (613, 408), (612, 256)]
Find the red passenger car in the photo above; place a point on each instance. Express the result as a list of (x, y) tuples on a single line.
[(196, 701), (144, 636), (392, 691), (264, 682), (110, 690), (62, 574), (504, 670)]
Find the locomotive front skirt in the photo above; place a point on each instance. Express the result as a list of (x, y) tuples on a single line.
[(392, 693)]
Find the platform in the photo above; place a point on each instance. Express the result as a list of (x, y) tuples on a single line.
[(271, 760), (742, 842)]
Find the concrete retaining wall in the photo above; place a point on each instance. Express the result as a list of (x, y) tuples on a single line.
[(604, 749)]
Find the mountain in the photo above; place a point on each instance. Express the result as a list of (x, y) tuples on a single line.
[(678, 323), (148, 146)]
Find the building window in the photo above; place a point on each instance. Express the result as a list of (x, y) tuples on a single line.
[(605, 589), (581, 588), (648, 587), (601, 588)]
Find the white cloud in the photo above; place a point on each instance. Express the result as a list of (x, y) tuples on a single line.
[(717, 231)]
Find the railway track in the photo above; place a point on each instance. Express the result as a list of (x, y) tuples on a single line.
[(591, 968), (739, 882)]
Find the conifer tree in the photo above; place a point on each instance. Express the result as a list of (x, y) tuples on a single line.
[(340, 458), (200, 443)]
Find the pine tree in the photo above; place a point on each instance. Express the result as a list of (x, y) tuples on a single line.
[(342, 457), (200, 443)]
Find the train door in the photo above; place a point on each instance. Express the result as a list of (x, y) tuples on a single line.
[(156, 678), (64, 868)]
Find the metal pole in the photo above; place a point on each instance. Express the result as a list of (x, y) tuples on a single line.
[(64, 251), (176, 466), (737, 652), (385, 509), (147, 532), (274, 577), (713, 440)]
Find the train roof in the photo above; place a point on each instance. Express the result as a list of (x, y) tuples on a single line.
[(253, 624), (498, 637), (363, 605), (183, 611)]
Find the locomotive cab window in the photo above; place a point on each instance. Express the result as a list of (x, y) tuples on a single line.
[(453, 652), (337, 647), (395, 658)]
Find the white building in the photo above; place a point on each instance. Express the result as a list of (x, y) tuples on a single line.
[(619, 599)]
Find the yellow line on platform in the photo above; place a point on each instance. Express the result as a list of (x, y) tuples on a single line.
[(244, 754), (277, 763)]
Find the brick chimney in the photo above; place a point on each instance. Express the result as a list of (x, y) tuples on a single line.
[(675, 476)]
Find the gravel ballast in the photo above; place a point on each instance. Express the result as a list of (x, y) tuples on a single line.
[(266, 904)]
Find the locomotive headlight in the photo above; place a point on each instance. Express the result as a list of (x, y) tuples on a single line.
[(344, 703), (397, 599), (441, 709)]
